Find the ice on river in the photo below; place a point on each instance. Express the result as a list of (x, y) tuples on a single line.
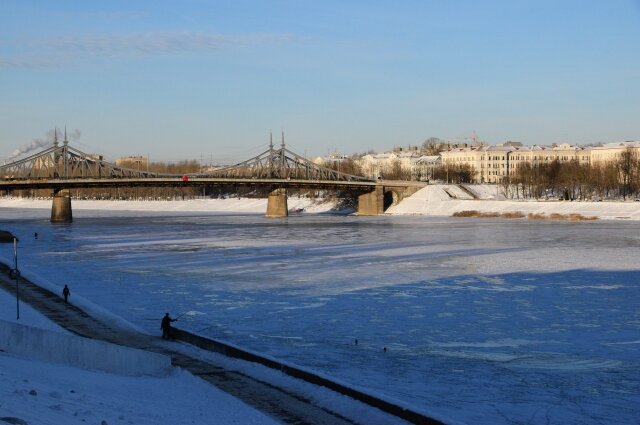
[(483, 321)]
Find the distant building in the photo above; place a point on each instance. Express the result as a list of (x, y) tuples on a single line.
[(424, 167), (330, 159), (493, 163), (611, 152), (374, 165), (410, 162), (490, 163), (135, 162), (410, 148)]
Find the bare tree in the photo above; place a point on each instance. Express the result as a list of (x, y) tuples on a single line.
[(628, 167), (396, 172), (455, 173), (347, 166)]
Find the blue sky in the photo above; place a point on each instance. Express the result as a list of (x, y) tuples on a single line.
[(207, 79)]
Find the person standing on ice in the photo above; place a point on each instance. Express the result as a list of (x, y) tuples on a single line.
[(166, 326), (66, 292)]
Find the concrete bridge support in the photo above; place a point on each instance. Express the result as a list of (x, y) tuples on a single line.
[(61, 208), (371, 203), (386, 194), (277, 204)]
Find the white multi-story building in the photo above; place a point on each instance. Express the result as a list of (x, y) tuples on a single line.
[(493, 163), (612, 152), (424, 167), (374, 165), (419, 167), (490, 163), (330, 159)]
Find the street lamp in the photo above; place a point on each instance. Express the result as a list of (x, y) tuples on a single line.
[(14, 273)]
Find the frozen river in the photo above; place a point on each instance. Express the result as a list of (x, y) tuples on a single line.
[(484, 321)]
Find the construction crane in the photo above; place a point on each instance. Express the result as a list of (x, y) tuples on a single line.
[(471, 140)]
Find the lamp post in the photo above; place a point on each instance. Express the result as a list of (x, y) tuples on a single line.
[(14, 273)]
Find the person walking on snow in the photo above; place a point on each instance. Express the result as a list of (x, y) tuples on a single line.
[(166, 326), (66, 293)]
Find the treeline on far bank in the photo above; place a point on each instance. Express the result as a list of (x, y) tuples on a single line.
[(572, 180), (567, 180)]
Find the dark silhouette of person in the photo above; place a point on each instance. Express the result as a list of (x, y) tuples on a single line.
[(66, 292), (35, 235), (165, 325)]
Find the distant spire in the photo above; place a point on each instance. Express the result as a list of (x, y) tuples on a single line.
[(270, 139), (55, 136), (283, 138), (65, 133)]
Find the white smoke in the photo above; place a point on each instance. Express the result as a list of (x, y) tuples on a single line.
[(35, 144), (45, 142)]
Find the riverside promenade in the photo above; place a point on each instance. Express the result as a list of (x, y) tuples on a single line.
[(281, 404)]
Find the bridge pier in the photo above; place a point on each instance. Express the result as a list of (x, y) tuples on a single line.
[(61, 207), (277, 204), (371, 203)]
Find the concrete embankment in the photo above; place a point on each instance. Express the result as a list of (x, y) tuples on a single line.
[(40, 344), (308, 376)]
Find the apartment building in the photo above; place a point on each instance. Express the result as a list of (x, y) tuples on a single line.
[(493, 163), (420, 167), (374, 165), (611, 152), (138, 162)]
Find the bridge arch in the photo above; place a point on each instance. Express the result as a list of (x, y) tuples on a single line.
[(390, 198)]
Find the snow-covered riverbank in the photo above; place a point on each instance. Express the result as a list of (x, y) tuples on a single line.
[(97, 208), (445, 200), (433, 200)]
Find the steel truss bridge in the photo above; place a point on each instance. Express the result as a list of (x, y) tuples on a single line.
[(62, 166)]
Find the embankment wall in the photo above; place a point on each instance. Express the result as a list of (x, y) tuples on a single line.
[(44, 345)]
